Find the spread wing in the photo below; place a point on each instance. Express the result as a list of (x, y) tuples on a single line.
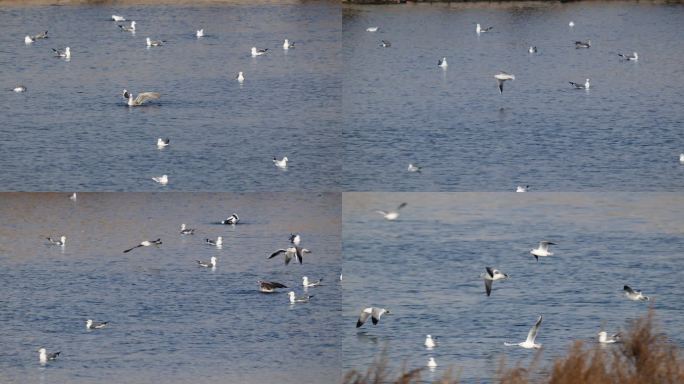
[(488, 286), (533, 331), (363, 317), (276, 253), (402, 205), (145, 96)]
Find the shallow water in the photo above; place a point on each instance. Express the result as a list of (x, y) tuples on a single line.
[(425, 268), (73, 131), (170, 320), (399, 107)]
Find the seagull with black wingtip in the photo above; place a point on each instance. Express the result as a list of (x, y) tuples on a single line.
[(145, 243)]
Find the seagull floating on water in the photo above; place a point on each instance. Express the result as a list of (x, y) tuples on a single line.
[(163, 179), (298, 299), (145, 243), (29, 40), (374, 313), (385, 44), (542, 250), (414, 168), (118, 18), (532, 49), (372, 29), (571, 24), (218, 243), (44, 356), (633, 57), (583, 44), (681, 158), (154, 43), (287, 45), (95, 325), (432, 364), (269, 286), (184, 230), (130, 28), (634, 295), (231, 220), (479, 29), (490, 277), (429, 342), (19, 89), (586, 85), (501, 77), (199, 33), (258, 52), (240, 77), (309, 284), (522, 189), (161, 143), (392, 215), (61, 241), (603, 338), (531, 336), (442, 62), (210, 264), (140, 99), (282, 164), (66, 53)]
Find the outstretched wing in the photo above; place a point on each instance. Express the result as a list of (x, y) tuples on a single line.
[(488, 286), (533, 331), (363, 317), (402, 205), (145, 96), (276, 253)]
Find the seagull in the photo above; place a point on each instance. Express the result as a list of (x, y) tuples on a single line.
[(432, 364), (501, 77), (586, 85), (414, 168), (372, 29), (385, 44), (186, 231), (309, 284), (442, 62), (291, 252), (571, 24), (154, 43), (43, 35), (128, 29), (29, 40), (161, 143), (118, 18), (145, 243), (287, 45), (240, 77), (298, 299), (163, 179), (479, 29), (429, 342), (603, 338), (392, 215), (19, 89), (140, 99), (634, 294), (95, 325), (218, 243), (529, 343), (269, 286), (374, 313), (521, 188), (66, 53), (210, 264), (199, 33), (583, 44), (491, 276), (282, 164), (45, 357), (542, 250), (681, 158), (258, 52), (231, 220), (295, 238), (532, 50), (73, 197), (633, 57), (61, 242)]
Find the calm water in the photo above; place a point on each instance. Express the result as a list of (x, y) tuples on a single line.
[(425, 268), (169, 319), (72, 130), (399, 107)]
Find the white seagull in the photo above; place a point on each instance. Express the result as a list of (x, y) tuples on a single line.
[(161, 143), (603, 338), (154, 43), (66, 53), (372, 29), (95, 325), (308, 284), (28, 39), (231, 220), (294, 251), (258, 52), (479, 29), (287, 45), (130, 28), (414, 168), (501, 77), (218, 243), (633, 57), (140, 99), (681, 158), (163, 179), (571, 24), (522, 188), (282, 164), (184, 230), (295, 238), (199, 33), (374, 313), (240, 77), (429, 342), (298, 299), (491, 276), (532, 49), (392, 215), (145, 243), (542, 250), (19, 89), (44, 356), (531, 336), (432, 364), (634, 295), (586, 85), (118, 18), (73, 197), (61, 242), (210, 264), (442, 62)]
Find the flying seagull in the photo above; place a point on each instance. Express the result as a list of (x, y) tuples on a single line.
[(95, 325), (392, 215), (531, 336), (269, 286), (294, 251), (491, 276), (140, 99), (542, 250), (145, 243), (635, 295), (501, 77), (374, 313)]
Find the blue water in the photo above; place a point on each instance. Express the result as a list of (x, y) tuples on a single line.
[(170, 320), (425, 268), (73, 131), (624, 134)]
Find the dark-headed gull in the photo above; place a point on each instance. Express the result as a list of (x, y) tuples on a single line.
[(542, 250), (392, 215), (635, 295), (531, 336), (145, 243), (374, 313)]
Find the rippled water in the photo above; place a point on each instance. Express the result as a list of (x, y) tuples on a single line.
[(399, 107), (425, 268), (170, 320), (72, 130)]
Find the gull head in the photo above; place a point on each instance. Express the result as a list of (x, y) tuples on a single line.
[(133, 25), (149, 42), (63, 240), (219, 240), (213, 260), (183, 226), (587, 84), (636, 56), (254, 51), (89, 322), (305, 280)]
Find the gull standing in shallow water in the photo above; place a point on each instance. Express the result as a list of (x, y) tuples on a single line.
[(542, 250), (531, 336), (634, 295), (44, 356), (61, 241), (211, 264), (269, 286), (95, 325), (145, 243), (163, 179), (501, 77), (282, 164), (392, 215), (140, 99), (603, 338), (491, 276), (374, 313), (586, 85)]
